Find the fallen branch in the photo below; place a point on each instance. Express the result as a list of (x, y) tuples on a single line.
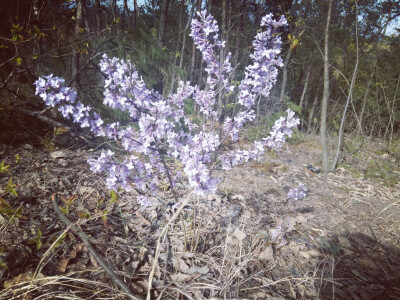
[(85, 239)]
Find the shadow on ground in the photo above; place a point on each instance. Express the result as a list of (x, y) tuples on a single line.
[(363, 268)]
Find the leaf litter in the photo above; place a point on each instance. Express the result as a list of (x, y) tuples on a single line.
[(342, 240)]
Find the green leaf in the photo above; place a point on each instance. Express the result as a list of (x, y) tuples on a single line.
[(18, 61), (4, 168), (38, 239), (64, 210), (114, 196)]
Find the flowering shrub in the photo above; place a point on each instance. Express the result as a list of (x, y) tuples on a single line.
[(161, 128)]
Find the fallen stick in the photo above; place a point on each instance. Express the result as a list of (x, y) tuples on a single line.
[(114, 277)]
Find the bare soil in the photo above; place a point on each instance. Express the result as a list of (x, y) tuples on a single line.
[(342, 240)]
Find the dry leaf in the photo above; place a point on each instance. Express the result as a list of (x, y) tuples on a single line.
[(180, 265), (197, 270), (238, 234), (63, 264), (181, 277), (267, 253)]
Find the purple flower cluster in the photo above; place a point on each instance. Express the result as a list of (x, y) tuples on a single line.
[(157, 130), (282, 127), (297, 194), (205, 35), (261, 75)]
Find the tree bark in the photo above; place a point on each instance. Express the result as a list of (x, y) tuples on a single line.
[(98, 18), (364, 102), (284, 74), (193, 57), (349, 99), (162, 23), (239, 32), (303, 94), (325, 96), (311, 114), (75, 55)]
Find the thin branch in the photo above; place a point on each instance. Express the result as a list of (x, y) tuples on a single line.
[(97, 257)]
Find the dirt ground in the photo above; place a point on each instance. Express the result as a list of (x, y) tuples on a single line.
[(341, 242)]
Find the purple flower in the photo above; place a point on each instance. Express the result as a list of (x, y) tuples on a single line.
[(297, 194)]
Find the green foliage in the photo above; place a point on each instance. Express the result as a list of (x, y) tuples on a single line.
[(50, 142), (37, 239), (4, 168), (382, 171), (296, 108), (57, 241), (11, 188), (114, 196), (67, 204)]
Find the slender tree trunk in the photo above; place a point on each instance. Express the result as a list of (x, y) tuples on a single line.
[(193, 58), (162, 23), (364, 102), (311, 115), (173, 76), (393, 112), (325, 96), (239, 32), (39, 47), (182, 53), (98, 19), (209, 6), (222, 59), (284, 74), (75, 55), (85, 15), (126, 8), (303, 94), (349, 99), (135, 12)]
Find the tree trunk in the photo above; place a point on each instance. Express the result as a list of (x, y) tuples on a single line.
[(222, 53), (98, 18), (365, 97), (75, 55), (349, 99), (209, 6), (311, 115), (284, 74), (173, 76), (239, 32), (162, 23), (325, 96), (193, 57), (182, 53), (303, 94)]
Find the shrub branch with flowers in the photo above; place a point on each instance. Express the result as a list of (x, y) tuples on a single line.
[(160, 129)]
